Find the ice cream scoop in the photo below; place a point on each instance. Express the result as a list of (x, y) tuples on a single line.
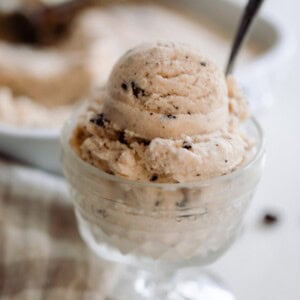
[(167, 90), (167, 114)]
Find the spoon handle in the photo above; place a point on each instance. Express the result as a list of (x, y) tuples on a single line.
[(245, 22)]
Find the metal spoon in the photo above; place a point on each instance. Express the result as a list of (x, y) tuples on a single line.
[(248, 16)]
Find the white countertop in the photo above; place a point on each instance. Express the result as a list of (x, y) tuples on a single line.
[(264, 264)]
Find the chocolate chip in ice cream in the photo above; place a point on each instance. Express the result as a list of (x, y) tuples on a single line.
[(145, 142), (170, 116), (124, 86), (186, 145), (100, 120), (102, 212), (157, 203), (153, 177), (136, 90), (122, 138), (203, 63)]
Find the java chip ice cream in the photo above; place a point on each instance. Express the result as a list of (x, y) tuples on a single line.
[(159, 162), (166, 114)]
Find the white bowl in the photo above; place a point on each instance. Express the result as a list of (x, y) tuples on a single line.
[(40, 147), (36, 147)]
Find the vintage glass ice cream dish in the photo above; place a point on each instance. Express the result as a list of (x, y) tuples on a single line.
[(165, 233)]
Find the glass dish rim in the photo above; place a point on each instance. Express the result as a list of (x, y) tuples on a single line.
[(65, 138)]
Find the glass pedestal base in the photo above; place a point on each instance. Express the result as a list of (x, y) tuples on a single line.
[(185, 284)]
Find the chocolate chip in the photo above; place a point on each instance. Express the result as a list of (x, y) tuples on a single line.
[(170, 116), (186, 57), (217, 145), (100, 120), (270, 219), (145, 142), (157, 203), (186, 145), (151, 114), (124, 86), (189, 112), (226, 161), (176, 107), (203, 63), (89, 154), (153, 177), (198, 175), (102, 212), (136, 90), (121, 137)]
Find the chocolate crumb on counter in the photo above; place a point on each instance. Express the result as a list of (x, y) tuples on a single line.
[(270, 219), (203, 63), (136, 90), (100, 120), (154, 177), (124, 86)]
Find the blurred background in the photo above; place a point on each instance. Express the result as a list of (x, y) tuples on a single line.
[(54, 54)]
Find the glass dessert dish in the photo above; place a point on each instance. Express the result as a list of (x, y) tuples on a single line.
[(164, 233)]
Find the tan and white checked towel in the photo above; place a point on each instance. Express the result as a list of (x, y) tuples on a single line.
[(41, 253)]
